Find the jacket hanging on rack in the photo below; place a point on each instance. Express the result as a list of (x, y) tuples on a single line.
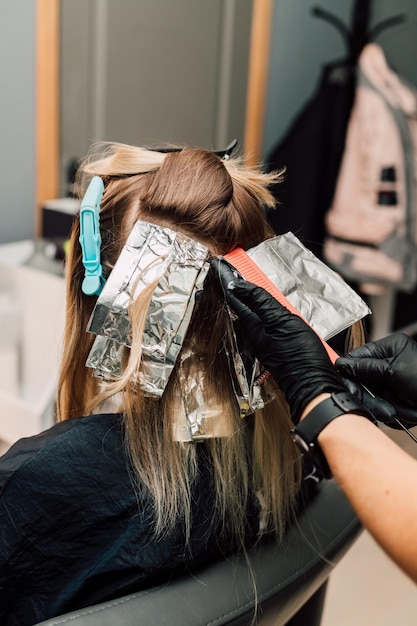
[(371, 227), (311, 152)]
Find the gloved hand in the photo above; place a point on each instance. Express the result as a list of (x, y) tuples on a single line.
[(286, 346), (388, 367)]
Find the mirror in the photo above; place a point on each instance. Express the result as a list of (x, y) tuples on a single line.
[(146, 72)]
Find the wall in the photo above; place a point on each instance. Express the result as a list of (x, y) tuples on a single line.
[(301, 44), (17, 120)]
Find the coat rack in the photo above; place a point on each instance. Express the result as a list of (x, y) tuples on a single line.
[(360, 32)]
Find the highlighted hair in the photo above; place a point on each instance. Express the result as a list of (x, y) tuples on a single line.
[(219, 203)]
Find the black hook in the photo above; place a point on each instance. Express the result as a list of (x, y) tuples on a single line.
[(359, 33), (388, 23), (333, 20), (222, 154)]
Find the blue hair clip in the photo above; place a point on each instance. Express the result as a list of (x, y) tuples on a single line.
[(90, 238)]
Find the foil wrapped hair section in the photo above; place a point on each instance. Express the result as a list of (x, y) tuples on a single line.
[(174, 267)]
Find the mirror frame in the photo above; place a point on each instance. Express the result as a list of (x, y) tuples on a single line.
[(47, 105), (257, 91)]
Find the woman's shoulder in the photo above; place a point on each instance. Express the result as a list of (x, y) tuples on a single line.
[(70, 442)]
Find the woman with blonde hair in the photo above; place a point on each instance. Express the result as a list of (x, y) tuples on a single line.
[(111, 499)]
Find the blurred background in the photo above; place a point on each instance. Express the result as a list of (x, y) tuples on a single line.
[(141, 72), (200, 72)]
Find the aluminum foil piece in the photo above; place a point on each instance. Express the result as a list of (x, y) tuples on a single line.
[(179, 266), (203, 416), (244, 377), (322, 297)]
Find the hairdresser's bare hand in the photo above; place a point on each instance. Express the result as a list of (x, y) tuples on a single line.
[(388, 367), (287, 347)]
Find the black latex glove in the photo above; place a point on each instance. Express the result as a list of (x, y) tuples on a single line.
[(380, 410), (286, 346), (388, 367)]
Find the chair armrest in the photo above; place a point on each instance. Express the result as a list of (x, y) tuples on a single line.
[(286, 576)]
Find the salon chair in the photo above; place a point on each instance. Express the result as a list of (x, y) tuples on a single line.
[(290, 579)]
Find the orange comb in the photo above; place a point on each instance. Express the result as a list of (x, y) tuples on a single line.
[(251, 272)]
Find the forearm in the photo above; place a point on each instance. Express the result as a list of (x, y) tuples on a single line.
[(380, 480)]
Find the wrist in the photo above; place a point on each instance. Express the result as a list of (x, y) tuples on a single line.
[(342, 438), (313, 403), (339, 428)]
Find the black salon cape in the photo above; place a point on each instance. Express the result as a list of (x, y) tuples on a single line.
[(73, 531)]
